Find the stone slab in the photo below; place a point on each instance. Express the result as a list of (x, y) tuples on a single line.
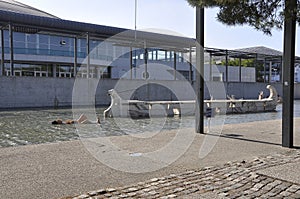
[(288, 172)]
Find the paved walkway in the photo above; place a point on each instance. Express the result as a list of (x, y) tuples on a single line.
[(246, 159), (241, 179)]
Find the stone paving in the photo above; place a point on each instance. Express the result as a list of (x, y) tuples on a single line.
[(231, 180)]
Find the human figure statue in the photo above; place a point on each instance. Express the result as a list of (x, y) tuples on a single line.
[(81, 120)]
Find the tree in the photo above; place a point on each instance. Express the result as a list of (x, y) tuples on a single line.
[(263, 15), (236, 62)]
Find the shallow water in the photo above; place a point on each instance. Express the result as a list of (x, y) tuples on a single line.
[(25, 127)]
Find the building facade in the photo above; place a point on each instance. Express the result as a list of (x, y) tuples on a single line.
[(42, 55)]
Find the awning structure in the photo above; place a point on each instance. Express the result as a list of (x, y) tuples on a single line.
[(259, 53)]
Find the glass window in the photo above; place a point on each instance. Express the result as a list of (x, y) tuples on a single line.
[(61, 46), (42, 70), (55, 43), (65, 46), (154, 54), (64, 70), (43, 39), (151, 54), (82, 45), (19, 40), (31, 40), (109, 50), (6, 40), (161, 54), (94, 44)]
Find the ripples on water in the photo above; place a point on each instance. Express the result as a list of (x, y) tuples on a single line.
[(34, 126)]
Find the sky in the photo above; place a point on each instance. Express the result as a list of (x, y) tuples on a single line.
[(175, 16)]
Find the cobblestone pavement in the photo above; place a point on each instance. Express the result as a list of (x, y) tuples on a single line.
[(231, 180)]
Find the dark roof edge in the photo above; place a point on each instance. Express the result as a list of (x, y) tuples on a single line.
[(52, 23), (67, 26)]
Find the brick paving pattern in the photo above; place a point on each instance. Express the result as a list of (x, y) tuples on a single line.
[(231, 180)]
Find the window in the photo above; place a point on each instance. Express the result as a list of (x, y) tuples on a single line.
[(31, 43), (19, 40), (37, 70), (43, 44), (64, 71), (81, 48), (161, 54)]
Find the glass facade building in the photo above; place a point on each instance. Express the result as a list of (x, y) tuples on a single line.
[(46, 55)]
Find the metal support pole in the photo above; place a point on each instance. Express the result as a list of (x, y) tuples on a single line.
[(200, 70), (191, 65), (11, 47), (130, 61), (210, 67), (175, 67), (166, 55), (88, 54), (288, 75), (226, 67), (75, 56), (255, 66), (265, 71), (281, 69), (146, 63), (2, 53), (240, 70), (270, 71)]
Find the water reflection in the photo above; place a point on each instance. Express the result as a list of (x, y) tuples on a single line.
[(34, 126)]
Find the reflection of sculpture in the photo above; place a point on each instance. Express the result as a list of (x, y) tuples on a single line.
[(273, 93), (137, 108), (261, 94)]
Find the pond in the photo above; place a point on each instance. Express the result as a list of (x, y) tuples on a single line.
[(23, 127)]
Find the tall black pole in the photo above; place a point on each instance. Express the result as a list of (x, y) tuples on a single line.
[(130, 61), (226, 67), (146, 62), (88, 45), (75, 55), (11, 47), (2, 53), (288, 74), (191, 67), (200, 70), (175, 66), (240, 70)]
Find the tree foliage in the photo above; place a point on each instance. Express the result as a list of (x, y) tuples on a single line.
[(236, 62), (263, 15)]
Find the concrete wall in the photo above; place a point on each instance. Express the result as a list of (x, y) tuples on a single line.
[(249, 90), (21, 92), (34, 91)]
